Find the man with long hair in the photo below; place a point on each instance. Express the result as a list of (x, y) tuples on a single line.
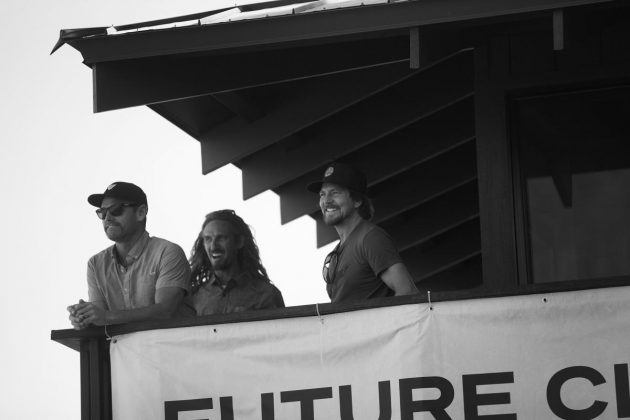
[(227, 273), (365, 263)]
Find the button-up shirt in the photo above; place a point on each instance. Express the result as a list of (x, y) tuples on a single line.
[(244, 293), (152, 263)]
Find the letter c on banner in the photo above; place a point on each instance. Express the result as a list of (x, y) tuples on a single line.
[(555, 385)]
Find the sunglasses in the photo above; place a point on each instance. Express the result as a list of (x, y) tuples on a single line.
[(115, 210), (330, 265)]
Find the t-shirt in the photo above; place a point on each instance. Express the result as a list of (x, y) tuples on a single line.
[(152, 263), (244, 293), (366, 253)]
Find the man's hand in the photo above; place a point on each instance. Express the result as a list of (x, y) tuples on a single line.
[(84, 313), (77, 322), (167, 300)]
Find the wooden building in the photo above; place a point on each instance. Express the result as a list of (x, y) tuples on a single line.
[(493, 132)]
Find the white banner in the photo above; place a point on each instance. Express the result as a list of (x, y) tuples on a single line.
[(560, 355)]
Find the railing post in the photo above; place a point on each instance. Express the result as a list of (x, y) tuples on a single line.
[(95, 380)]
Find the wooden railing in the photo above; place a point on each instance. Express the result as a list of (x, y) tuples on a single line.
[(93, 342)]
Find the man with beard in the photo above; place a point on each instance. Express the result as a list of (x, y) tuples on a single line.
[(139, 277), (227, 273), (365, 263)]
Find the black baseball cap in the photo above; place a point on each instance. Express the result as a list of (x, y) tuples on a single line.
[(341, 174), (121, 190)]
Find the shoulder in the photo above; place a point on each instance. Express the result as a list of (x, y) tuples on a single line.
[(262, 286), (159, 244), (101, 257), (377, 241), (370, 233), (375, 231), (268, 294)]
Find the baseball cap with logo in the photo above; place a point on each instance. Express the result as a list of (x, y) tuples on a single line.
[(121, 190), (341, 174)]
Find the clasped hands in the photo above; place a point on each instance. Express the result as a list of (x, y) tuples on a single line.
[(84, 313)]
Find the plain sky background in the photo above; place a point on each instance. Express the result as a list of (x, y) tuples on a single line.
[(55, 152)]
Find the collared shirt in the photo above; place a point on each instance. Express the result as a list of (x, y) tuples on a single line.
[(244, 293), (152, 263)]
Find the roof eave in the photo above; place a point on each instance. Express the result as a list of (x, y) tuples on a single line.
[(302, 27)]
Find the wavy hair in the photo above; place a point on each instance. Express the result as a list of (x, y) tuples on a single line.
[(248, 257), (366, 209)]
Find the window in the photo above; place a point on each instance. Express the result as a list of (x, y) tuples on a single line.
[(573, 160)]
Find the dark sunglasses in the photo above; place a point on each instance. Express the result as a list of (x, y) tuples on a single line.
[(330, 265), (115, 210)]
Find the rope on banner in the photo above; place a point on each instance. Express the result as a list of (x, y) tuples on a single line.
[(108, 337), (321, 320), (321, 335)]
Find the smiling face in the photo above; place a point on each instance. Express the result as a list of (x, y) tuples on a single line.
[(336, 204), (221, 244), (127, 224)]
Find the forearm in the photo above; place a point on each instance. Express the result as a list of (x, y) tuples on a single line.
[(406, 288), (155, 311)]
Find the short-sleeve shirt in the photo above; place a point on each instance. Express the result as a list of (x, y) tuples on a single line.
[(244, 293), (152, 263), (365, 254)]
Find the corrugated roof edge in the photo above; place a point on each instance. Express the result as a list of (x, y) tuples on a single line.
[(201, 15), (66, 35)]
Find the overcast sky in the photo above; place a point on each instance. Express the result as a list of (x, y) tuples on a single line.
[(55, 152)]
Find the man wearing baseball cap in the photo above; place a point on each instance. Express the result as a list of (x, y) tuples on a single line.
[(138, 278), (365, 263)]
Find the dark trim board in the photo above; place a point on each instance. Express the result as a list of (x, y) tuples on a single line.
[(73, 338), (325, 26), (496, 204), (96, 395)]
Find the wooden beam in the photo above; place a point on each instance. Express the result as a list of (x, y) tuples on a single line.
[(558, 30), (193, 115), (240, 105), (96, 380), (95, 374), (85, 379), (311, 27), (237, 138), (413, 145), (143, 81), (402, 104), (456, 246), (436, 217), (414, 48), (496, 195), (462, 276), (327, 308), (424, 182)]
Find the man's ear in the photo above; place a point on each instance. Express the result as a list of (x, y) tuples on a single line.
[(141, 212), (357, 204), (240, 241)]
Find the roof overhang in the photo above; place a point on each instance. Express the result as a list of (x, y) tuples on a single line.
[(320, 26)]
